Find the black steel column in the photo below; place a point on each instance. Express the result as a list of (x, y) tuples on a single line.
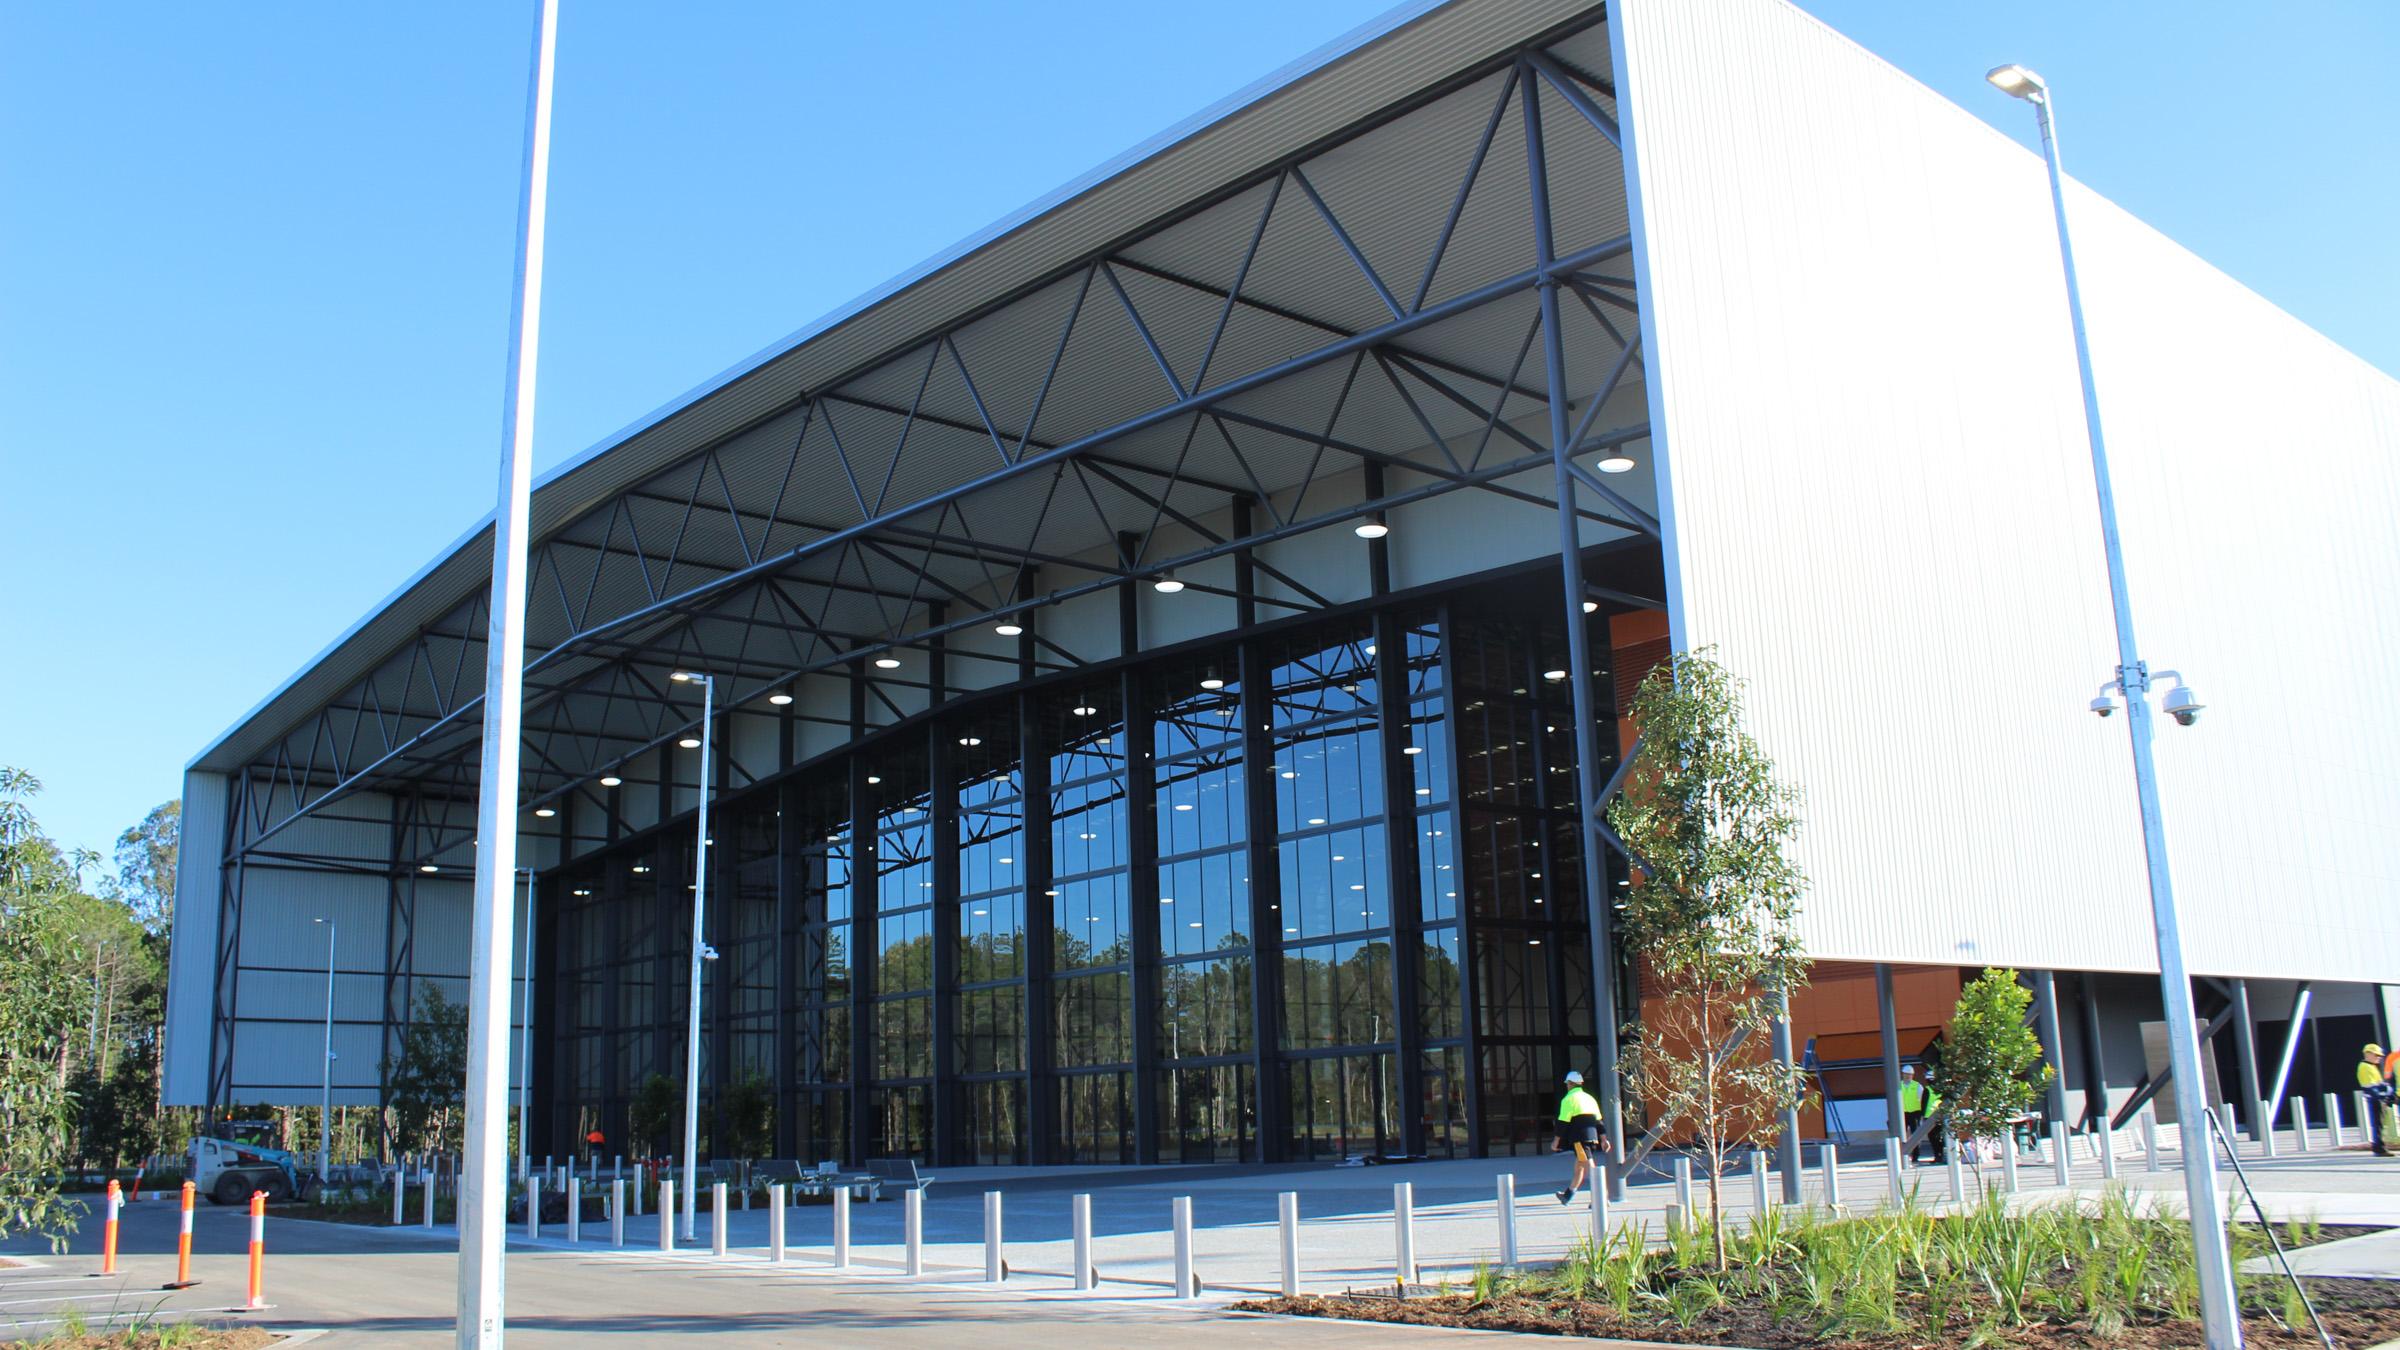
[(1887, 1018), (864, 941), (2095, 1058), (942, 767), (1041, 922), (1266, 895), (1579, 663), (1787, 1136), (2245, 1058), (1141, 864), (2054, 1048), (1400, 859), (542, 1016), (790, 912)]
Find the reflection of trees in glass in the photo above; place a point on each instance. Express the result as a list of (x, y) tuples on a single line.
[(1070, 952), (905, 966), (1093, 1022), (983, 957), (1338, 994), (1440, 998), (1204, 1008)]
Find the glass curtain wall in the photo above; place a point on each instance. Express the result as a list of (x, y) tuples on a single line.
[(1340, 1032), (1520, 870), (1401, 784), (1091, 958), (990, 956), (1207, 1078), (818, 1084), (900, 1093)]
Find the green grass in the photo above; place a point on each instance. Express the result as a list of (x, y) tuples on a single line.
[(2103, 1263)]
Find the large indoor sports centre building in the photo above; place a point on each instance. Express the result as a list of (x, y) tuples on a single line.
[(1163, 648)]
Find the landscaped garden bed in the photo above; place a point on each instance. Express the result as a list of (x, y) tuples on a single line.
[(2107, 1273)]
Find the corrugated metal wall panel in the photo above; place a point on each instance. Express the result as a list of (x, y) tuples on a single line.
[(1880, 510), (191, 973), (1873, 468), (2256, 486)]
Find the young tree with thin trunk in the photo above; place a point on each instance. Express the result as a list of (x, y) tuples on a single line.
[(1711, 916), (1991, 1066)]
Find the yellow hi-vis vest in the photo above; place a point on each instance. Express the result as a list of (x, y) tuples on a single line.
[(1576, 1103)]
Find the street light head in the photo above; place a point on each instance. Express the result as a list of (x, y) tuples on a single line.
[(2017, 82), (2183, 705)]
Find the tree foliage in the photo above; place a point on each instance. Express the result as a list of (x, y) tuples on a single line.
[(1711, 915), (38, 1015), (655, 1115), (146, 857), (424, 1086), (1991, 1068), (749, 1114)]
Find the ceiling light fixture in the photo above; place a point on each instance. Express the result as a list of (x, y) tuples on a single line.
[(1166, 584), (1008, 628), (1373, 527), (689, 742), (1615, 461), (780, 700), (544, 812), (887, 663), (612, 781)]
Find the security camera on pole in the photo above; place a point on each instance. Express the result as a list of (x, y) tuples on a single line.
[(2219, 1314), (701, 951)]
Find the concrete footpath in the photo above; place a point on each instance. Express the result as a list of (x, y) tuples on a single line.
[(397, 1284)]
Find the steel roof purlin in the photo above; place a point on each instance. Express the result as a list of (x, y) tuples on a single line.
[(1363, 300)]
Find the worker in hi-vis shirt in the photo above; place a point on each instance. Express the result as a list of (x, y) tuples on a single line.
[(1578, 1127)]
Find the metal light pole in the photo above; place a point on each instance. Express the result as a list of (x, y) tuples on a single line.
[(691, 1037), (525, 1038), (2218, 1312), (483, 1180), (325, 1111)]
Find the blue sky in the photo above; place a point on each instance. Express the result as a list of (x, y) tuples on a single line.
[(254, 261)]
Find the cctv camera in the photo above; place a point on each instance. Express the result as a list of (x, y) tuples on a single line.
[(2183, 705), (2104, 705)]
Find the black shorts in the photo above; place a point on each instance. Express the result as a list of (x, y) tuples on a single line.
[(1586, 1132)]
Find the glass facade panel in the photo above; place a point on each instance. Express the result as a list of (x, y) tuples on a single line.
[(1408, 967)]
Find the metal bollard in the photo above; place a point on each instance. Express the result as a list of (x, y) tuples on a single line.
[(2264, 1114), (2300, 1123), (533, 1207), (2008, 1163), (995, 1265), (912, 1216), (775, 1198), (2105, 1139), (666, 1215), (1830, 1160), (108, 1238), (183, 1241), (2366, 1127), (1085, 1276), (2149, 1141), (2333, 1119), (1404, 1234), (716, 1218), (1760, 1200), (2224, 1118), (1683, 1182), (637, 1192), (1287, 1224), (1187, 1281), (2062, 1156), (1673, 1220), (1599, 1215), (1958, 1174), (1891, 1166), (399, 1197), (616, 1212), (745, 1199), (258, 1249), (574, 1208), (841, 1228), (1506, 1204), (429, 1197)]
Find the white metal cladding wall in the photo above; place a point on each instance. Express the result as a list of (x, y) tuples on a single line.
[(1878, 500), (2256, 484), (191, 970)]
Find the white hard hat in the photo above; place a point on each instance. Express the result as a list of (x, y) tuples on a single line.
[(1574, 1075)]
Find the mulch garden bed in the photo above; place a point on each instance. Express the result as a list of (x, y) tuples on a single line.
[(2358, 1312), (172, 1338)]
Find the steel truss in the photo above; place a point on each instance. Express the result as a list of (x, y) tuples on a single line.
[(1188, 399)]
